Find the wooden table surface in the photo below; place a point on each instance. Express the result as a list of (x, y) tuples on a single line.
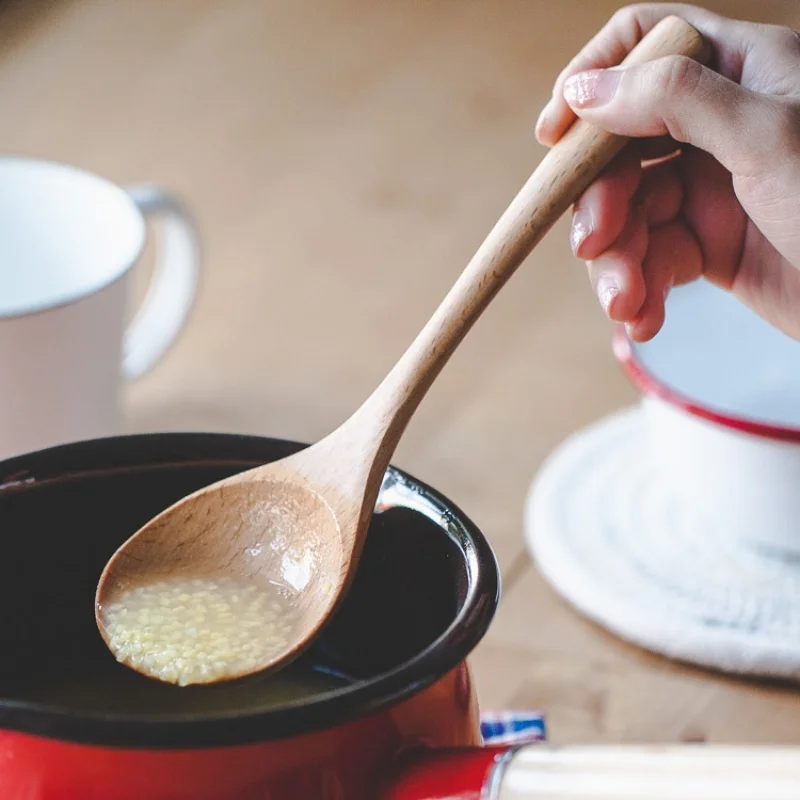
[(344, 159)]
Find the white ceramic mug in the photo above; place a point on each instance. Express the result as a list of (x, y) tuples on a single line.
[(68, 240), (721, 395)]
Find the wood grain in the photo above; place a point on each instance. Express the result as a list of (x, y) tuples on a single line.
[(411, 124)]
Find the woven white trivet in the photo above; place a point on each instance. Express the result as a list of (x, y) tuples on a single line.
[(614, 542)]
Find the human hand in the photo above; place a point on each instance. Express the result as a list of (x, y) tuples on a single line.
[(727, 205)]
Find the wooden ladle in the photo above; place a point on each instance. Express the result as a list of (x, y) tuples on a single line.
[(299, 524)]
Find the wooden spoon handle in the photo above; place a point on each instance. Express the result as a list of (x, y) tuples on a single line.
[(657, 772), (562, 176)]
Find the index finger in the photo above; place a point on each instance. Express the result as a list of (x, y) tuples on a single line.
[(621, 34)]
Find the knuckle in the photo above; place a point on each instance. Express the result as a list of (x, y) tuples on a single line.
[(622, 17), (625, 23), (672, 79), (677, 75), (627, 16)]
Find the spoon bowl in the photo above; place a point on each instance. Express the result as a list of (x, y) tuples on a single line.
[(295, 529), (257, 528)]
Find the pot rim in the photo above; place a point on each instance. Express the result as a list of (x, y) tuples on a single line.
[(650, 385), (359, 700)]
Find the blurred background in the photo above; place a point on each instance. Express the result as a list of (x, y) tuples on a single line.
[(343, 160)]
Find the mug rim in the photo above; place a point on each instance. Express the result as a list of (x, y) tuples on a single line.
[(649, 385), (119, 273), (233, 728)]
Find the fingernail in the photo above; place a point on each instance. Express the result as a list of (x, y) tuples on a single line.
[(592, 88), (582, 226), (607, 291)]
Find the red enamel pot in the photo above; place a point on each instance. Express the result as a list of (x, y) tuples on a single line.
[(75, 725), (392, 714)]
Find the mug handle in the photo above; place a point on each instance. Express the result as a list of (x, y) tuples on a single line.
[(173, 287)]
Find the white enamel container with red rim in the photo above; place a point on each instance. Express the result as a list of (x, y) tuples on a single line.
[(721, 396)]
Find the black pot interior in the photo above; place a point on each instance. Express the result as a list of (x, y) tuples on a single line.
[(424, 594)]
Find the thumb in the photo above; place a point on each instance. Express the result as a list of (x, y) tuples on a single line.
[(680, 97)]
